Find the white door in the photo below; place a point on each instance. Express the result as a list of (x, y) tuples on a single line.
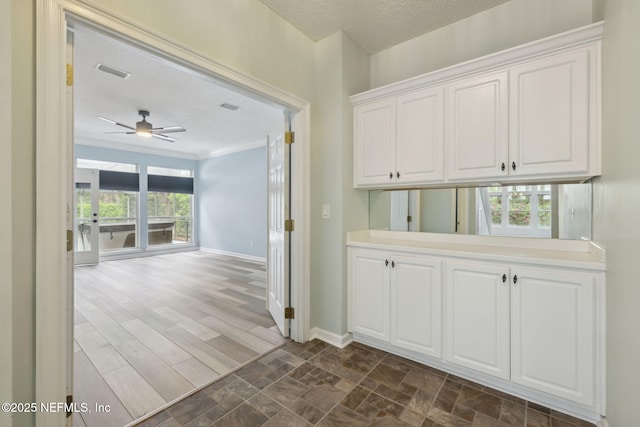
[(416, 304), (277, 261), (86, 220), (375, 146), (477, 124), (549, 115), (553, 332), (477, 316), (369, 293), (399, 211), (420, 136)]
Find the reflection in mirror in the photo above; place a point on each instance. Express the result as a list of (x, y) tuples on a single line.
[(545, 211)]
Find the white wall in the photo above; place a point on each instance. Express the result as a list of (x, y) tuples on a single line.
[(232, 208), (6, 217), (616, 206), (509, 24)]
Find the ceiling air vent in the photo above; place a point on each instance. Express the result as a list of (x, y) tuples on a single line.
[(113, 71), (229, 106)]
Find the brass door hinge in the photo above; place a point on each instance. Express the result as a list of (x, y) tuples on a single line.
[(289, 225), (69, 240), (69, 75), (289, 313), (289, 137), (69, 404), (409, 218)]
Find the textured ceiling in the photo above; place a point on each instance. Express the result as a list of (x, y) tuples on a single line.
[(375, 24), (173, 95)]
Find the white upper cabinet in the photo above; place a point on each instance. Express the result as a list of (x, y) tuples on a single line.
[(419, 136), (375, 130), (477, 125), (399, 140), (550, 115), (530, 113)]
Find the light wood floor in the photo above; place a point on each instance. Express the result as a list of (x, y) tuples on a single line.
[(149, 330)]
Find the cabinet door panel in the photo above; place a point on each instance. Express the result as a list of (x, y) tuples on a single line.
[(369, 294), (550, 115), (477, 317), (420, 126), (416, 304), (375, 135), (477, 123), (553, 336)]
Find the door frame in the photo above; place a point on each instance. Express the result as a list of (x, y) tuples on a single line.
[(54, 160)]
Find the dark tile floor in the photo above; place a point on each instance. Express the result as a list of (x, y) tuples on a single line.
[(317, 384)]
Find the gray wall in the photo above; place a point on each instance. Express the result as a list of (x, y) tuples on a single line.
[(616, 206), (232, 192)]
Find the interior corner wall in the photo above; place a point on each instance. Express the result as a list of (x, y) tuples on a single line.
[(232, 212), (355, 79), (341, 70), (616, 205), (6, 215), (326, 188), (20, 200), (507, 25)]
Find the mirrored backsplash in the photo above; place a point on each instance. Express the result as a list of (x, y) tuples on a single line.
[(551, 211)]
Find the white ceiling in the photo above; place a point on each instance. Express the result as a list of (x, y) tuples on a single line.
[(375, 24), (173, 95), (176, 96)]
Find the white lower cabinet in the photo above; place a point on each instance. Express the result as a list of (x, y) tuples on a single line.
[(397, 299), (538, 327), (477, 316), (553, 333), (369, 293), (416, 304)]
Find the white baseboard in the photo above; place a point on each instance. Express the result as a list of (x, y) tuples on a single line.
[(340, 341), (234, 254), (603, 423)]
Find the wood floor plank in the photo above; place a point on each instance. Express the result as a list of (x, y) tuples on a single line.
[(103, 356), (232, 348), (196, 372), (135, 393), (194, 328), (267, 335), (254, 343), (157, 342), (208, 355), (165, 380), (91, 388), (109, 328)]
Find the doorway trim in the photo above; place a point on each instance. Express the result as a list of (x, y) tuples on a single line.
[(54, 160)]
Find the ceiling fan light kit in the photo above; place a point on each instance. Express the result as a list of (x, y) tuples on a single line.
[(145, 129)]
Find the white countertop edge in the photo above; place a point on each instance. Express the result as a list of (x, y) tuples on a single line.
[(581, 254)]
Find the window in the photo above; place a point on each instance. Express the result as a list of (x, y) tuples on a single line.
[(170, 206), (118, 204), (515, 210)]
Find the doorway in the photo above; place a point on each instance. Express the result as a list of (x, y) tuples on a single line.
[(52, 19), (136, 327)]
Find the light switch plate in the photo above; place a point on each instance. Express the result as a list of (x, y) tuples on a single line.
[(326, 211)]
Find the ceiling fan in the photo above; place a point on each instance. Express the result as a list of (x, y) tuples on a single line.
[(145, 129)]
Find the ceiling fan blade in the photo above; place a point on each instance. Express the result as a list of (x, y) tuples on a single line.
[(164, 137), (111, 133), (114, 122), (169, 129)]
